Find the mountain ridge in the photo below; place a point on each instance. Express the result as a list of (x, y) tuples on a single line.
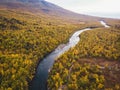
[(32, 1)]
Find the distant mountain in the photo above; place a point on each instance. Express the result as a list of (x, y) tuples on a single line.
[(33, 1), (43, 7)]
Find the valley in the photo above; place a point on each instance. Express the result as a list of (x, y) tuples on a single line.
[(31, 30)]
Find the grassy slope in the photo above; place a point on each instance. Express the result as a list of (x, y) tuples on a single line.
[(48, 9)]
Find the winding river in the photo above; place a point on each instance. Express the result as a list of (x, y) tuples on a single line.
[(40, 80)]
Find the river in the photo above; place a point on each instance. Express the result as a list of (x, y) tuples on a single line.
[(40, 79), (104, 24)]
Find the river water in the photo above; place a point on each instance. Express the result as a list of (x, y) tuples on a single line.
[(104, 24), (40, 80)]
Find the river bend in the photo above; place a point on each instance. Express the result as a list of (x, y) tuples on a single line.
[(40, 80)]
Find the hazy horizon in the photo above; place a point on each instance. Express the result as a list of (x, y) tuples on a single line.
[(101, 8)]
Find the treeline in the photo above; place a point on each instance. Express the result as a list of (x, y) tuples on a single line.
[(72, 72)]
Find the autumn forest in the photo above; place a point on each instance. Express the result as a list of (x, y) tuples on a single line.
[(26, 38)]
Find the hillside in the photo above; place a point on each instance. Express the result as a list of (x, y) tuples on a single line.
[(44, 7)]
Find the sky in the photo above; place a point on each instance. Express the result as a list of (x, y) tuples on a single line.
[(104, 8)]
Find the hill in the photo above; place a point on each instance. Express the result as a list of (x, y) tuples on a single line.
[(39, 7)]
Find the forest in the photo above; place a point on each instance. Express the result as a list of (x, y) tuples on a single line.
[(23, 43), (25, 39), (94, 64)]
